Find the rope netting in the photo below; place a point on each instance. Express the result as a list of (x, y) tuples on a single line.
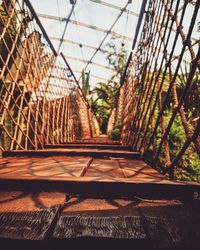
[(159, 100), (39, 96)]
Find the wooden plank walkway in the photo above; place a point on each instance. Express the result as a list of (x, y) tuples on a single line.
[(162, 223), (62, 167), (26, 215), (90, 170), (47, 195), (48, 167), (50, 218)]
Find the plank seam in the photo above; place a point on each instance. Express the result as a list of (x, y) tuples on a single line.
[(87, 167)]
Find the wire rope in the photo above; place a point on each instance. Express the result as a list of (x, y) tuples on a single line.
[(66, 24), (109, 31), (79, 37)]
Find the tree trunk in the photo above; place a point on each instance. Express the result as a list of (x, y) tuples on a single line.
[(165, 144), (188, 128)]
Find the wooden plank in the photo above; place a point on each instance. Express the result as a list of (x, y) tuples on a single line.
[(88, 145), (137, 169), (103, 168), (74, 152), (162, 223), (123, 168), (98, 218), (95, 187), (104, 178), (94, 142), (171, 223), (102, 139), (50, 167), (71, 167), (28, 216)]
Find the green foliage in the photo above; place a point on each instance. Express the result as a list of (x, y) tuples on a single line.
[(176, 134), (105, 101), (13, 22), (192, 102), (86, 83), (118, 56), (118, 123), (188, 167), (102, 111), (4, 138), (116, 132), (105, 95)]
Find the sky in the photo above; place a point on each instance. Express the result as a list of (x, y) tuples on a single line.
[(91, 13)]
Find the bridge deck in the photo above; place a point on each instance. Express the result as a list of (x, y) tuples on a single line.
[(45, 196), (79, 167), (95, 170), (47, 218)]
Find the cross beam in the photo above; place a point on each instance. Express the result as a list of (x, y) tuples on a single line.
[(92, 75), (89, 62), (80, 44), (56, 18), (115, 7)]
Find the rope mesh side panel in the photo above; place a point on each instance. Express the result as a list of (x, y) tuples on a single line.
[(161, 87), (36, 87)]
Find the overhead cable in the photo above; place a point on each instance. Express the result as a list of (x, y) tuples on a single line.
[(109, 31), (66, 24)]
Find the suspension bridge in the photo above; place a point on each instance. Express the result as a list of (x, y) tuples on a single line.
[(60, 178)]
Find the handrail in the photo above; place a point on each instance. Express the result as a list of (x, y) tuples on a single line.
[(139, 23), (37, 104), (28, 3)]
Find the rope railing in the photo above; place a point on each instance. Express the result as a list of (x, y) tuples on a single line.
[(160, 116), (39, 99)]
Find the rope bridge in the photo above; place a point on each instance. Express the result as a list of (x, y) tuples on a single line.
[(41, 102), (40, 99), (59, 179)]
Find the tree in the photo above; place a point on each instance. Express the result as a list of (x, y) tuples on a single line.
[(190, 108), (105, 95), (117, 57)]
